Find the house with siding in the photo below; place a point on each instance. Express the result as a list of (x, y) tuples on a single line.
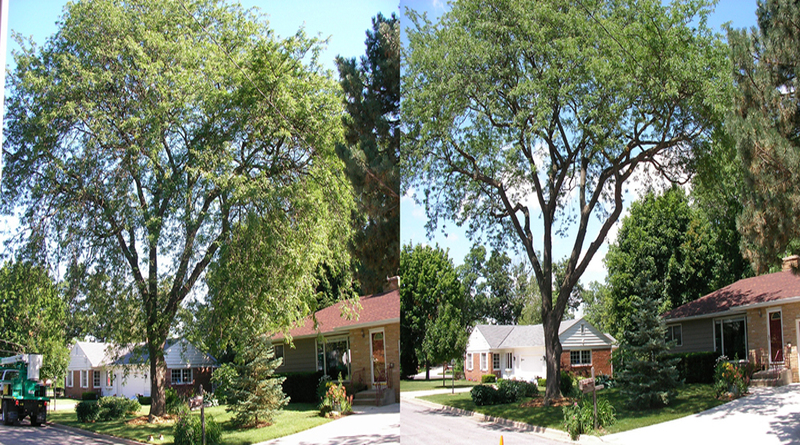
[(364, 348), (756, 318), (518, 352), (109, 370)]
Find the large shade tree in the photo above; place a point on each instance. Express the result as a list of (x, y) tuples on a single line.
[(523, 113), (147, 137)]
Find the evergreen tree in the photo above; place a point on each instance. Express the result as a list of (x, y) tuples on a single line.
[(648, 378), (372, 152), (256, 392)]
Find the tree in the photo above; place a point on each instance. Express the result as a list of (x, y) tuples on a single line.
[(765, 125), (150, 139), (372, 152), (648, 377), (429, 289), (559, 101), (256, 393), (33, 317), (597, 303), (495, 294)]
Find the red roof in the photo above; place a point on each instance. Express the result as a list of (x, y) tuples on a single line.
[(374, 309), (761, 289)]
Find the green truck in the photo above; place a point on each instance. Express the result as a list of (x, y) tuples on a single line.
[(22, 394)]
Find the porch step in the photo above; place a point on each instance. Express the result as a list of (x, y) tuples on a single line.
[(370, 397), (772, 377)]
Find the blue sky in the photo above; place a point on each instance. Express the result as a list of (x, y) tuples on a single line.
[(740, 13)]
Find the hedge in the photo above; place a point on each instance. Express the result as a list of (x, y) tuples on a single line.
[(488, 378), (301, 387), (696, 367)]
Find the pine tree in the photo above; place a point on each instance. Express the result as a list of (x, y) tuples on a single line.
[(257, 393), (648, 377)]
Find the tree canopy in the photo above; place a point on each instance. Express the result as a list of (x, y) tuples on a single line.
[(524, 113), (150, 139), (496, 290)]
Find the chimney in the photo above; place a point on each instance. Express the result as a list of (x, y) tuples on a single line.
[(392, 283), (791, 262)]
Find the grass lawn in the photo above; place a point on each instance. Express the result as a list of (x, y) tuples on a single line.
[(293, 418), (423, 385), (691, 399)]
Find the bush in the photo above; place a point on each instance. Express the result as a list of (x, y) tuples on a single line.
[(484, 395), (322, 387), (144, 400), (579, 417), (188, 431), (112, 408), (696, 367), (542, 382), (606, 380), (222, 380), (89, 395), (175, 404), (729, 377), (488, 378), (514, 390), (301, 386), (567, 385), (88, 411), (336, 399)]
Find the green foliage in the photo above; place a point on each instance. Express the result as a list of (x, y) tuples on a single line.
[(517, 389), (188, 431), (88, 411), (484, 395), (696, 367), (496, 290), (372, 151), (579, 417), (89, 395), (257, 392), (648, 377), (112, 408), (144, 400), (139, 132), (567, 383), (507, 391), (301, 387), (431, 298), (223, 379), (33, 317), (336, 399), (730, 378), (323, 383), (764, 127), (175, 404), (488, 378)]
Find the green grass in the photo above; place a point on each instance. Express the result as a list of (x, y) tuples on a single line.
[(423, 385), (294, 418), (691, 399)]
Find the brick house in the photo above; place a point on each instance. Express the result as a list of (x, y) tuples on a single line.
[(109, 370), (364, 348), (757, 319), (517, 352)]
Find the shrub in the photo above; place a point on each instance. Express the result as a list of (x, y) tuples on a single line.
[(88, 411), (606, 380), (144, 400), (542, 382), (322, 387), (696, 367), (579, 417), (89, 395), (112, 408), (301, 386), (514, 390), (730, 377), (484, 395), (188, 431), (222, 380), (567, 384), (488, 378), (175, 404), (336, 399)]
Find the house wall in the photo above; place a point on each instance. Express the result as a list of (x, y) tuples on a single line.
[(200, 376), (361, 361), (601, 360), (77, 391), (476, 372), (758, 334), (582, 335), (697, 335), (300, 358)]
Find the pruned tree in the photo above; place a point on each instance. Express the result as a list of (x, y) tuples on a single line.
[(148, 137), (543, 111)]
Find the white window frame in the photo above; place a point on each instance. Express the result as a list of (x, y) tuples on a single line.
[(722, 325), (84, 378), (484, 362), (186, 376), (469, 361), (509, 360), (495, 360), (70, 378), (769, 335), (581, 357), (339, 338), (671, 334)]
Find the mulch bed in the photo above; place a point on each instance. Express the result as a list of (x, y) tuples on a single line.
[(143, 420), (538, 402)]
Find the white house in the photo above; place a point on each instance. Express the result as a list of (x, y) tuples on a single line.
[(518, 352)]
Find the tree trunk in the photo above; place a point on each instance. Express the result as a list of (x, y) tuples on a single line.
[(158, 380), (552, 356), (427, 371), (444, 375)]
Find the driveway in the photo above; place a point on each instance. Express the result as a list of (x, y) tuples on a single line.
[(767, 416), (368, 425)]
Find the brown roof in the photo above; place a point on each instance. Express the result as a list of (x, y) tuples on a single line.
[(374, 309), (761, 289)]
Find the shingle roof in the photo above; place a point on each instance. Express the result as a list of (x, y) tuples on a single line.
[(749, 291), (504, 336), (374, 309)]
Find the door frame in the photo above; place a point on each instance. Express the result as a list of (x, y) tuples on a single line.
[(371, 354), (769, 335)]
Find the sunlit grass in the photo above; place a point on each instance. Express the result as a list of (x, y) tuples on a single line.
[(424, 385)]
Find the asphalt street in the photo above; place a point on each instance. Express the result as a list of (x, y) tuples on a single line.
[(423, 426), (25, 434)]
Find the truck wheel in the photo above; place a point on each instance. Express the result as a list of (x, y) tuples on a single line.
[(35, 419), (6, 420)]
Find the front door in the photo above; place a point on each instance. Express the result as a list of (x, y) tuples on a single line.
[(378, 352), (775, 337)]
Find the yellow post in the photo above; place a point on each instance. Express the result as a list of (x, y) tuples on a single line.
[(501, 440)]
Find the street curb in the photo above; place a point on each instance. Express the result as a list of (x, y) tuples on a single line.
[(548, 433), (94, 435)]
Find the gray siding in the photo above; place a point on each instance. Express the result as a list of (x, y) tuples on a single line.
[(698, 335), (301, 358)]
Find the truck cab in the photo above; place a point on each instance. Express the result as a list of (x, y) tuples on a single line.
[(21, 395)]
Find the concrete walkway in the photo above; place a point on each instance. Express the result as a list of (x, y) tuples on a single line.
[(767, 416), (367, 425)]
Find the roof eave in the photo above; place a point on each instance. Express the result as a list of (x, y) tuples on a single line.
[(737, 309)]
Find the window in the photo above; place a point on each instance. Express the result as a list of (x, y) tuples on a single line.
[(484, 364), (333, 357), (469, 361), (84, 379), (495, 361), (580, 358), (69, 379), (509, 360), (674, 333), (181, 376), (95, 379), (730, 337), (279, 353), (109, 378)]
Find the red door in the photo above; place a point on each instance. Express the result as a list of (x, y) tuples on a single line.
[(775, 337)]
